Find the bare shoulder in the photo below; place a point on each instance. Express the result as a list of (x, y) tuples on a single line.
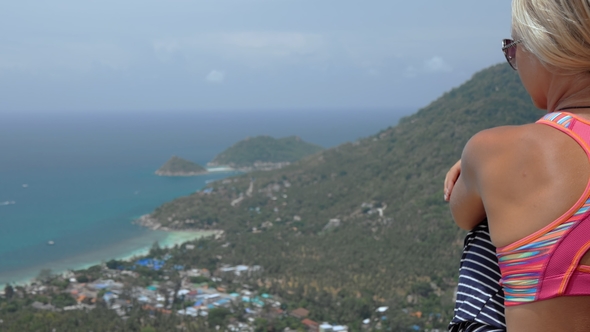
[(506, 160), (482, 156), (496, 142), (515, 168)]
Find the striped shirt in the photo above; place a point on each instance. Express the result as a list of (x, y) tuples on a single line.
[(480, 300)]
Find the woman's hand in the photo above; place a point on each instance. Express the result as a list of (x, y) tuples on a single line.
[(451, 178)]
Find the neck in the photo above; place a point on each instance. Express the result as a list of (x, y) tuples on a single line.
[(572, 93)]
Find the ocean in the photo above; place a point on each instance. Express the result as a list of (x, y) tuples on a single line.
[(80, 179)]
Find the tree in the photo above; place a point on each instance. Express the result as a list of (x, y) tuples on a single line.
[(113, 264), (177, 281), (8, 291), (163, 290), (45, 275), (82, 278), (199, 279), (421, 288), (217, 316), (156, 250)]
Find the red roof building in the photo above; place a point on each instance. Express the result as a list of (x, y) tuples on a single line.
[(300, 313), (311, 325)]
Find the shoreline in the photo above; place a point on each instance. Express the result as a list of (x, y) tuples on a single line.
[(126, 250), (73, 254), (166, 173), (148, 222), (209, 170), (256, 166)]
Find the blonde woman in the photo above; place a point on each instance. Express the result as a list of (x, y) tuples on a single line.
[(532, 182)]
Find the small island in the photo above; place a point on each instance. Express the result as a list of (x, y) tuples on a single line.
[(180, 167)]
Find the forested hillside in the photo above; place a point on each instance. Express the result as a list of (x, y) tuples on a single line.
[(177, 166), (362, 224), (265, 149)]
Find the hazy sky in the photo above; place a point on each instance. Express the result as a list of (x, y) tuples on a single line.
[(152, 55)]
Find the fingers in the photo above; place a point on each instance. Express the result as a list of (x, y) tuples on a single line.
[(448, 191), (449, 184), (451, 179)]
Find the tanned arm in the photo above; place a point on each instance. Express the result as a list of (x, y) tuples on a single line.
[(466, 203)]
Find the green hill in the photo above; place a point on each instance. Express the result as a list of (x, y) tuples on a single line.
[(265, 150), (394, 242), (176, 166)]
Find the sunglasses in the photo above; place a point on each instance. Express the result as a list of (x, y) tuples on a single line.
[(509, 49)]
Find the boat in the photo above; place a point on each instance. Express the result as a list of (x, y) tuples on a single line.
[(50, 243)]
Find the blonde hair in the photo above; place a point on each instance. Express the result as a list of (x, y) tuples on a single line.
[(557, 32)]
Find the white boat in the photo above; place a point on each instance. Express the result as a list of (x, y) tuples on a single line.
[(50, 243)]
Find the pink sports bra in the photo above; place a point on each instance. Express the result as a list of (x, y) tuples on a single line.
[(545, 264)]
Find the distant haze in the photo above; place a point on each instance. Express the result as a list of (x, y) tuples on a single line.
[(65, 141), (114, 56)]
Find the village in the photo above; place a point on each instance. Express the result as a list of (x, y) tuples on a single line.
[(191, 288), (193, 293)]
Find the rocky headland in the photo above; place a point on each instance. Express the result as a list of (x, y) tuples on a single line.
[(177, 166)]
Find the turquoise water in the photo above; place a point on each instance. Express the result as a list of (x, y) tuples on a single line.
[(80, 180), (83, 212)]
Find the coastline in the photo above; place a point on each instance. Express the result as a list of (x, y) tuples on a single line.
[(126, 250), (209, 170), (256, 166), (148, 222), (167, 173), (220, 169)]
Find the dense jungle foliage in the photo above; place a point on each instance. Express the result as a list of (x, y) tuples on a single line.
[(265, 149), (177, 165)]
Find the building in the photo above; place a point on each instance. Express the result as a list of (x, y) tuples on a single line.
[(311, 325), (299, 313)]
